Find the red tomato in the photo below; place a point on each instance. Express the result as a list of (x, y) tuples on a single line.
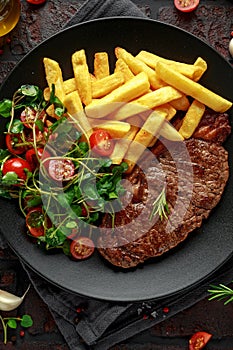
[(28, 116), (34, 222), (12, 140), (36, 2), (61, 169), (199, 340), (101, 142), (16, 165), (81, 248), (186, 5), (31, 157)]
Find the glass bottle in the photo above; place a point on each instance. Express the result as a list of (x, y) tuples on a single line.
[(9, 15)]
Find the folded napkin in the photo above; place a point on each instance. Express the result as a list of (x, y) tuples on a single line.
[(88, 323)]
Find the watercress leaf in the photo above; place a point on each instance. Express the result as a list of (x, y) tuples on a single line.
[(59, 111), (105, 162), (39, 123), (26, 321), (5, 193), (90, 191), (124, 166), (3, 154), (10, 178), (29, 90), (5, 108), (83, 147), (12, 323), (113, 195), (66, 248), (16, 127), (71, 224), (35, 201), (77, 209), (54, 238)]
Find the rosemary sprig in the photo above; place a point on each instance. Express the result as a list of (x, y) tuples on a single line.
[(221, 292), (160, 206)]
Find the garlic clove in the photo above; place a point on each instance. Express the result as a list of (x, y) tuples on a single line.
[(10, 301), (231, 47)]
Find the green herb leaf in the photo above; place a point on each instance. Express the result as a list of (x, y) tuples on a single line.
[(5, 108), (10, 178), (12, 323), (16, 127), (160, 206), (4, 153), (29, 90), (26, 321), (39, 123)]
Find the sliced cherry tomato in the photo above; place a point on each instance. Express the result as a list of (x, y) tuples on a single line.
[(101, 142), (31, 157), (17, 165), (61, 169), (81, 248), (199, 340), (12, 140), (186, 5), (28, 116), (34, 222), (36, 2)]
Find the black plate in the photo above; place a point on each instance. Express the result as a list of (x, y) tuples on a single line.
[(204, 251)]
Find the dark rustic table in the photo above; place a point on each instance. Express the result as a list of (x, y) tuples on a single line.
[(214, 24)]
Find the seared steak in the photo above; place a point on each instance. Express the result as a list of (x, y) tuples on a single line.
[(193, 188)]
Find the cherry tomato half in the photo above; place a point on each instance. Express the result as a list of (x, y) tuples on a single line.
[(36, 2), (199, 340), (186, 5), (31, 157), (61, 169), (81, 248), (29, 115), (101, 142), (16, 165), (34, 222), (12, 140)]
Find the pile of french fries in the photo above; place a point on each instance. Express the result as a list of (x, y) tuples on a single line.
[(134, 102)]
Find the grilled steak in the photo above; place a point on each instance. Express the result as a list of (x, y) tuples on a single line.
[(193, 188)]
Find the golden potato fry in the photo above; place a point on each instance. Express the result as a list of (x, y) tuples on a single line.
[(193, 89), (143, 138), (202, 68), (133, 88), (189, 70), (192, 119), (121, 66), (122, 145), (54, 77), (74, 107), (147, 101), (181, 104), (102, 87), (138, 66), (46, 93), (168, 109), (101, 65), (69, 85), (116, 129), (82, 76)]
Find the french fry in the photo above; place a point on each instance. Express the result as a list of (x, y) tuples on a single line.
[(143, 138), (132, 89), (54, 77), (46, 93), (101, 65), (121, 66), (168, 109), (191, 71), (69, 85), (193, 89), (116, 129), (203, 67), (147, 101), (138, 66), (74, 107), (192, 119), (181, 104), (102, 87), (82, 76)]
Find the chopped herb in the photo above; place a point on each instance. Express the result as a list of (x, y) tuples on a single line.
[(160, 206)]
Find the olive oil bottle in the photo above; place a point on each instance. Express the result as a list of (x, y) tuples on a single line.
[(9, 15)]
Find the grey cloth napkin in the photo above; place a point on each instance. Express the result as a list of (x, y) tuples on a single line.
[(98, 325)]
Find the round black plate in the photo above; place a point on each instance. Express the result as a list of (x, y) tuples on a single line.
[(204, 251)]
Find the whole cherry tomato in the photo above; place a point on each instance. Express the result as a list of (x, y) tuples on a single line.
[(12, 140), (81, 248), (36, 2), (199, 340), (61, 169), (31, 157), (101, 142), (34, 222), (16, 165), (186, 5)]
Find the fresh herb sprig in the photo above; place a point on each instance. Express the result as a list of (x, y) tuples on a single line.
[(221, 292), (160, 206), (12, 322)]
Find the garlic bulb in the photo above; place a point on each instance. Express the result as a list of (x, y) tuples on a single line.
[(10, 301), (231, 47)]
